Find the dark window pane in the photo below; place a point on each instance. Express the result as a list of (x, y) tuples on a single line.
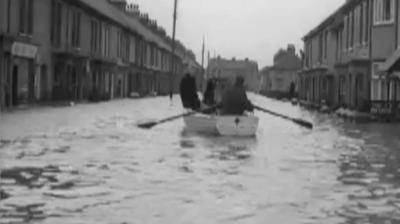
[(22, 16), (30, 17)]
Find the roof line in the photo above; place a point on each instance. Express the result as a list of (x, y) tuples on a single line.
[(330, 19)]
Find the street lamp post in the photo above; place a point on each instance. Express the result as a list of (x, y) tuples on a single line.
[(171, 84)]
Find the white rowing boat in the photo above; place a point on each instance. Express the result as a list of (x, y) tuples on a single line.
[(245, 125)]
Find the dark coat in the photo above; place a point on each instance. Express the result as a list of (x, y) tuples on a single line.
[(235, 101), (209, 94), (188, 93)]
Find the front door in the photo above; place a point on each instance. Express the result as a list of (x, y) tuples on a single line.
[(356, 91), (14, 92), (43, 82)]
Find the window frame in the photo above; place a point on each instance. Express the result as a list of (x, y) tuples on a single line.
[(26, 17), (76, 29), (380, 14)]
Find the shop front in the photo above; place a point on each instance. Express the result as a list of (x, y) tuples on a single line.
[(69, 77), (19, 71)]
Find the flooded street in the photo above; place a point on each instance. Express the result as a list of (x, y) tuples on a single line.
[(91, 164)]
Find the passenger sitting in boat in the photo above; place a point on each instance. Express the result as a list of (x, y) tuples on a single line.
[(188, 92), (209, 94), (234, 99), (221, 86)]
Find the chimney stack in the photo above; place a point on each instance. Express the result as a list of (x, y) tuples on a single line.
[(133, 10), (120, 4), (291, 49)]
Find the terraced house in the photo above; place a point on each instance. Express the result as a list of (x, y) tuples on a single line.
[(351, 59), (83, 49)]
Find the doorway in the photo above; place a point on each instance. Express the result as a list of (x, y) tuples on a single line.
[(43, 82), (358, 90), (14, 87)]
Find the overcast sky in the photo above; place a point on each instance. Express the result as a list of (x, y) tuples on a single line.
[(240, 28)]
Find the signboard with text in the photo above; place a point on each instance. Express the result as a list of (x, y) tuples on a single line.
[(24, 50)]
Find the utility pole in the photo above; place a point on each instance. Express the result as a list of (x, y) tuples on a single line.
[(171, 84), (208, 64), (203, 79)]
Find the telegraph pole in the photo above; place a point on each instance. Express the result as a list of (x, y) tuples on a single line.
[(203, 78), (171, 84)]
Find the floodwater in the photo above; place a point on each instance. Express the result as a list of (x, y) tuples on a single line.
[(91, 164)]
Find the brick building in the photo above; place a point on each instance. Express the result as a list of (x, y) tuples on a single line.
[(278, 79), (351, 58), (229, 69), (82, 49)]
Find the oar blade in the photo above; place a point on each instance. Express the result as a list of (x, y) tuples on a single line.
[(304, 123), (147, 125)]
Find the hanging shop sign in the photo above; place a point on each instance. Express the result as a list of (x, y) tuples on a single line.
[(24, 50)]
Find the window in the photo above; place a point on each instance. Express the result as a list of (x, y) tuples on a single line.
[(339, 43), (351, 29), (326, 44), (361, 16), (95, 37), (119, 43), (127, 47), (122, 45), (26, 17), (106, 41), (383, 11), (67, 26), (151, 55), (155, 56), (346, 32), (56, 23), (307, 54), (365, 29), (76, 27), (132, 48)]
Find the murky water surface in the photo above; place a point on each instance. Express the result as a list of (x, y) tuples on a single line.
[(91, 164)]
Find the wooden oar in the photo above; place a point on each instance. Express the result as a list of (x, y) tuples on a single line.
[(301, 122), (151, 124)]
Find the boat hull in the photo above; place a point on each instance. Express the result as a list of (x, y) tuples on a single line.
[(222, 125), (237, 125), (201, 123)]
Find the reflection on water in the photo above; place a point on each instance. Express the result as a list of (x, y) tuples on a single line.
[(341, 172)]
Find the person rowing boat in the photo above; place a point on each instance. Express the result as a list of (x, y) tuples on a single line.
[(209, 94), (235, 100)]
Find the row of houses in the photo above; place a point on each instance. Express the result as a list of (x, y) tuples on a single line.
[(84, 49), (352, 58)]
